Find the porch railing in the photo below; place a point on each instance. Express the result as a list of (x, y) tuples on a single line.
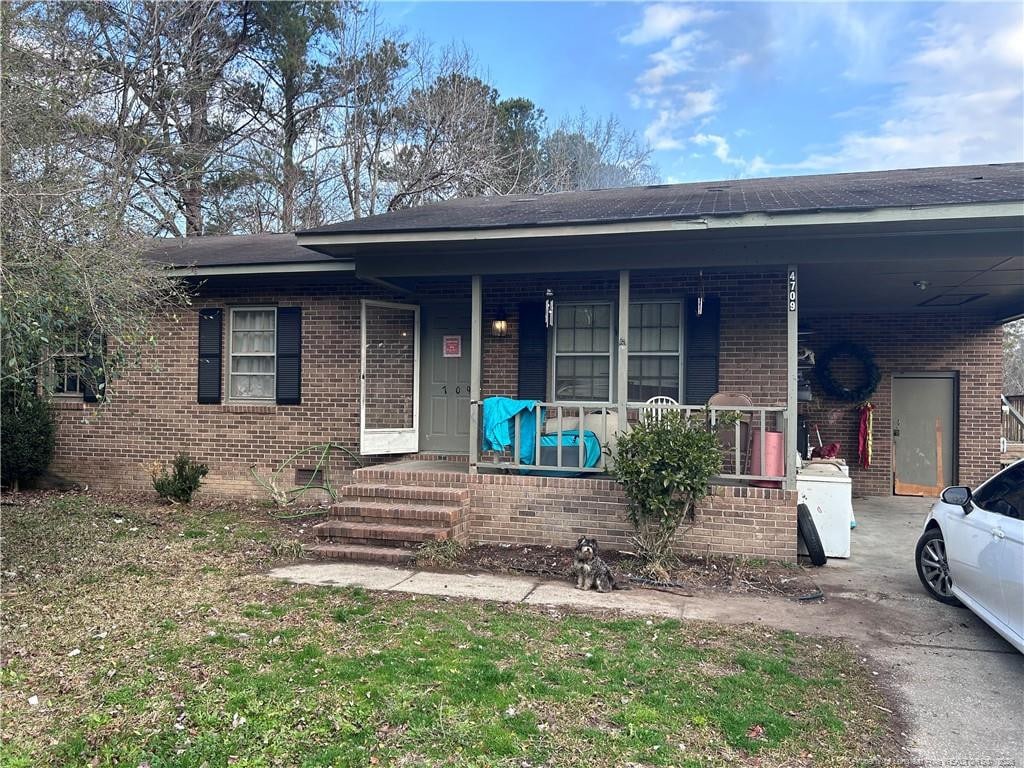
[(758, 432), (1013, 421), (601, 419)]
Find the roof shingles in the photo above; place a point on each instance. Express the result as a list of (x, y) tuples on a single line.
[(791, 194)]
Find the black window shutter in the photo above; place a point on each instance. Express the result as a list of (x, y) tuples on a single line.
[(701, 350), (533, 351), (289, 355), (210, 340), (93, 376)]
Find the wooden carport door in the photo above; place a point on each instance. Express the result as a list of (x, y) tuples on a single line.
[(923, 433)]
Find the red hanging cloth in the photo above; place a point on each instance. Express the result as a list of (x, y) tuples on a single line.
[(865, 437)]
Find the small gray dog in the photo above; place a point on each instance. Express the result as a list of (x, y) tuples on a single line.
[(590, 570)]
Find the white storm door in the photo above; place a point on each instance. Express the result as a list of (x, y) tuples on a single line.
[(389, 419)]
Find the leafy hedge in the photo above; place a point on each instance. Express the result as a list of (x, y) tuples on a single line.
[(28, 434), (665, 466)]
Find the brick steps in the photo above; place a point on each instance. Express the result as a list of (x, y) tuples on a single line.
[(363, 553), (394, 511), (386, 533), (419, 493), (384, 522)]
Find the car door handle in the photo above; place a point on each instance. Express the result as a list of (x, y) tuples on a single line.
[(997, 533)]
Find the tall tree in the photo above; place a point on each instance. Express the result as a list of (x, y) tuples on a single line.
[(448, 144), (72, 275), (377, 79), (520, 126), (296, 50), (586, 153), (172, 69), (1013, 358)]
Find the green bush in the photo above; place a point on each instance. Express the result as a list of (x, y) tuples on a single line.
[(184, 480), (665, 466), (28, 436)]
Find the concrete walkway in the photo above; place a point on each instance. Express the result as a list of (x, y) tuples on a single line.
[(962, 686)]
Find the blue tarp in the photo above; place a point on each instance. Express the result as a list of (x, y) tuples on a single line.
[(499, 433), (499, 425)]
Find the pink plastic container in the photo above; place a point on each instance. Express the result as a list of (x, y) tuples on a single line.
[(774, 452)]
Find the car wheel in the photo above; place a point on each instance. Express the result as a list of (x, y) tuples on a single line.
[(808, 533), (933, 568)]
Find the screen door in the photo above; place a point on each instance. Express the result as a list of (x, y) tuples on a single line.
[(389, 378)]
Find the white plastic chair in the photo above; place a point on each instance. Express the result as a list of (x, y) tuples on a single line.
[(657, 408)]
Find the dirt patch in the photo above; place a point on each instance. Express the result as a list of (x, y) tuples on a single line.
[(691, 574)]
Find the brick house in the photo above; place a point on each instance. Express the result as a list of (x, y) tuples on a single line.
[(385, 335)]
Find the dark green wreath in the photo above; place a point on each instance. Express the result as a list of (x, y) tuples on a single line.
[(832, 388)]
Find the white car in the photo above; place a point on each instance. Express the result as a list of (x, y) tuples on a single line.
[(972, 551)]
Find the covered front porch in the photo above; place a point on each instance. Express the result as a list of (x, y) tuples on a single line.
[(592, 353)]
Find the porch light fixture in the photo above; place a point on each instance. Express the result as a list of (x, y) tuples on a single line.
[(921, 285), (499, 325)]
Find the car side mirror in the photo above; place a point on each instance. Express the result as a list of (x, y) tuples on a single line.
[(958, 496)]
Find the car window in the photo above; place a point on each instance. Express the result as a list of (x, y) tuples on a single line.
[(1004, 493)]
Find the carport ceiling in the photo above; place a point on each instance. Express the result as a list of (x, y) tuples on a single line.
[(987, 285)]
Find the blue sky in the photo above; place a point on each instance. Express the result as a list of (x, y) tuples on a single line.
[(758, 89)]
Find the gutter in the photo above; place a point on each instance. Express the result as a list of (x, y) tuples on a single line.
[(231, 270)]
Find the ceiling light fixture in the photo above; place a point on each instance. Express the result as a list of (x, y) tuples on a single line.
[(921, 285)]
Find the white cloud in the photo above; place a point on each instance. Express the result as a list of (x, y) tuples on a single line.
[(865, 37), (663, 20), (664, 86), (723, 152), (669, 62), (934, 85), (958, 98), (682, 109)]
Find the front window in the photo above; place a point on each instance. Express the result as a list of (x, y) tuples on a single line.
[(67, 370), (253, 353), (654, 361), (583, 352)]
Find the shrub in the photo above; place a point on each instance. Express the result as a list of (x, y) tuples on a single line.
[(28, 436), (665, 466), (444, 553), (185, 478)]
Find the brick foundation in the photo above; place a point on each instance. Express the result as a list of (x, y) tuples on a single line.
[(513, 509)]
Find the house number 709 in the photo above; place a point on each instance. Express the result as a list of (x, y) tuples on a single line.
[(792, 290)]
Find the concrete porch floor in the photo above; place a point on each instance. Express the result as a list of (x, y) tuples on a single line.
[(961, 685)]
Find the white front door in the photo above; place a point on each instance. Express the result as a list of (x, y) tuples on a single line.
[(389, 378)]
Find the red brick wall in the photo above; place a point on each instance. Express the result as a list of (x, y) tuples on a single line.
[(507, 509), (912, 344), (154, 414)]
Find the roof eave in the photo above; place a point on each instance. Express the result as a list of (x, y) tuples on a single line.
[(230, 270), (813, 218)]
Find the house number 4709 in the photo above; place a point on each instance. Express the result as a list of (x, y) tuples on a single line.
[(792, 290)]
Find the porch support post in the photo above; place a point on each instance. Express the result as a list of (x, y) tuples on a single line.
[(622, 368), (475, 355), (792, 319)]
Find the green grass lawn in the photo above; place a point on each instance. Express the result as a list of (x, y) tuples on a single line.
[(149, 638)]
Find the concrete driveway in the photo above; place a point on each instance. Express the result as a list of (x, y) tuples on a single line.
[(962, 684)]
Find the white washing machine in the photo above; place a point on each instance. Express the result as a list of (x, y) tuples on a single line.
[(828, 493)]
